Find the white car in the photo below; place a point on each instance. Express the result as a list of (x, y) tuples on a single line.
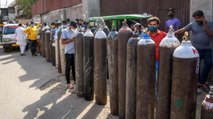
[(8, 36)]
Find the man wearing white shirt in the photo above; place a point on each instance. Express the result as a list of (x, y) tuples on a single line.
[(67, 37), (21, 39)]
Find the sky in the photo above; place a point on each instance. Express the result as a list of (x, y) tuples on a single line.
[(5, 3)]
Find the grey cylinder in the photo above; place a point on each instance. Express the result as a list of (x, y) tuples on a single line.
[(167, 47), (131, 74), (112, 51), (145, 78), (88, 52), (53, 50), (58, 51), (123, 36), (50, 48), (47, 40), (184, 82), (100, 66), (43, 43), (79, 69)]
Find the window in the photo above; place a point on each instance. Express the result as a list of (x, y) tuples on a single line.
[(9, 29)]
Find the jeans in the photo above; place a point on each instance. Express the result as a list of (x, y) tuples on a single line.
[(206, 56), (33, 46), (70, 62)]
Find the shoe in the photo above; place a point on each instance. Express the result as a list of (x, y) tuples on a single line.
[(204, 87), (34, 54), (23, 54)]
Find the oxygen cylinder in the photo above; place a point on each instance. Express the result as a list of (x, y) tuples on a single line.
[(131, 69), (88, 60), (62, 56), (100, 66), (79, 69), (145, 78), (184, 81), (167, 47), (112, 50), (47, 40), (43, 43), (53, 52), (50, 48), (58, 51), (123, 36), (207, 106)]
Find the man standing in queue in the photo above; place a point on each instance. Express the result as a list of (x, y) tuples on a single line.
[(138, 28), (174, 21), (67, 37), (202, 33), (155, 34)]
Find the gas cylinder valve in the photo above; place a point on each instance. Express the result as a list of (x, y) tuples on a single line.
[(185, 36), (211, 91), (171, 29)]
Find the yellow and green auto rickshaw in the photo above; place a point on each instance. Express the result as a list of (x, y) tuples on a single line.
[(118, 19)]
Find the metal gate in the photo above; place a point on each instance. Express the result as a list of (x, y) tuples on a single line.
[(159, 8)]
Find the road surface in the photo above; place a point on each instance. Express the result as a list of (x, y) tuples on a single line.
[(31, 88)]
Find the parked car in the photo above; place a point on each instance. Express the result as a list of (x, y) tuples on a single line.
[(8, 36)]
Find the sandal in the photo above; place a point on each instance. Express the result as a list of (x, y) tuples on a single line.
[(204, 87), (69, 86)]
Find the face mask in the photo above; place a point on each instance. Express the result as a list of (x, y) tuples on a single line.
[(171, 15), (199, 22), (152, 28), (53, 26)]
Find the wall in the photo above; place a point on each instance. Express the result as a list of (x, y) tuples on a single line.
[(111, 7), (44, 6), (205, 5), (74, 12), (90, 8)]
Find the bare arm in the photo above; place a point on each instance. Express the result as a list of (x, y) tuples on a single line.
[(179, 31), (66, 41)]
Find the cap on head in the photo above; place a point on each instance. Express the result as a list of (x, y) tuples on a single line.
[(73, 23), (153, 19)]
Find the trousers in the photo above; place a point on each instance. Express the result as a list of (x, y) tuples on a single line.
[(70, 62)]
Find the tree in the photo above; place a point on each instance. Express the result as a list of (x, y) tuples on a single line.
[(26, 6)]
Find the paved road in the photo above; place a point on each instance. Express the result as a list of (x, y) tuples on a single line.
[(31, 88)]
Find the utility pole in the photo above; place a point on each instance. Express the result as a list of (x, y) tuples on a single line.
[(6, 3)]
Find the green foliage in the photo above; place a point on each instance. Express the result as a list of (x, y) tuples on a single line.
[(26, 6)]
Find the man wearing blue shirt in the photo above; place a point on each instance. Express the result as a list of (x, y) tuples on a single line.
[(67, 37)]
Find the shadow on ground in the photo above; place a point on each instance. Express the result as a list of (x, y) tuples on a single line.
[(57, 102)]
